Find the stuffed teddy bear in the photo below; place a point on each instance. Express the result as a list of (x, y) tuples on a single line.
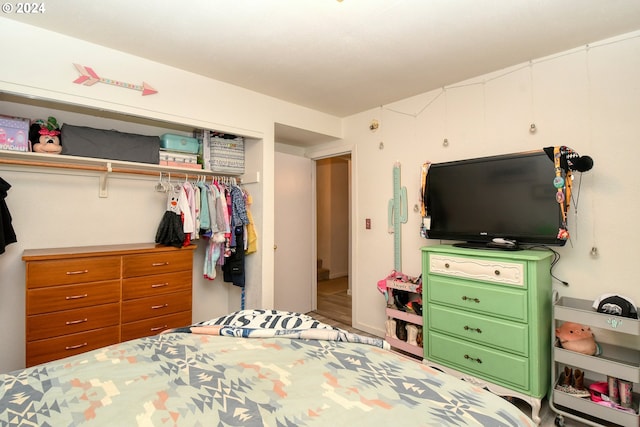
[(577, 337), (45, 136)]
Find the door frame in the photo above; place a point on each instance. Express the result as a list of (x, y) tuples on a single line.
[(323, 153)]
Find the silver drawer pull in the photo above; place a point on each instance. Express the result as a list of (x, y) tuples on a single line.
[(155, 307), (466, 298), (73, 347), (159, 264), (71, 273), (75, 322), (469, 328), (159, 328), (76, 296), (466, 356), (159, 285)]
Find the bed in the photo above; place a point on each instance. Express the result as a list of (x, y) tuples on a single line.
[(248, 368)]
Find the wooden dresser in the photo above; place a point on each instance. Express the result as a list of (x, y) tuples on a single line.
[(82, 298)]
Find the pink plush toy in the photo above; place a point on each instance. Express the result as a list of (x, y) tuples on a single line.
[(577, 337)]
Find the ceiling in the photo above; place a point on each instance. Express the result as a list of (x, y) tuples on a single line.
[(339, 56)]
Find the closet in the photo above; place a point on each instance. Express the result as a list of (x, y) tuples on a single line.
[(98, 186)]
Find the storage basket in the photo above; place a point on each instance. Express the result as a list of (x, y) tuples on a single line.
[(227, 155)]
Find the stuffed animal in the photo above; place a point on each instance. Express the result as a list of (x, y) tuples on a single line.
[(45, 136), (569, 159), (577, 337)]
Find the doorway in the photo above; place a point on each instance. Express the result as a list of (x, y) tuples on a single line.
[(333, 231)]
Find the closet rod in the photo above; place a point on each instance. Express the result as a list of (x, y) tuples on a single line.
[(109, 167)]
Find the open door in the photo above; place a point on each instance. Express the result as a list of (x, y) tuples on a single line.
[(294, 286)]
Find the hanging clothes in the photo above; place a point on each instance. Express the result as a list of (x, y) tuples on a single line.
[(233, 267), (7, 233), (216, 234), (177, 224), (252, 235), (224, 209)]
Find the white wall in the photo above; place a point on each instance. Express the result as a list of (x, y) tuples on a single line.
[(332, 190), (53, 209), (587, 99)]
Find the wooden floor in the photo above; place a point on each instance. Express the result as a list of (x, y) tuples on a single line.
[(334, 308), (334, 301)]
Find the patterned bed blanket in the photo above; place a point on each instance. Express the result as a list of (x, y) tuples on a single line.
[(236, 377)]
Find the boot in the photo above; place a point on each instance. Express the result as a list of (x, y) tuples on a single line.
[(568, 376), (412, 334), (419, 337), (578, 384), (578, 377), (391, 328), (401, 330)]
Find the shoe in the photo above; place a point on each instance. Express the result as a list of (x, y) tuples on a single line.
[(568, 376), (401, 330)]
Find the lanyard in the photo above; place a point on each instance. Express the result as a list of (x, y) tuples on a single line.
[(563, 192)]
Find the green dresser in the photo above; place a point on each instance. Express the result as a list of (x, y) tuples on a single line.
[(487, 318)]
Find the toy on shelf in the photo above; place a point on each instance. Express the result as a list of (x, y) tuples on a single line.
[(44, 136), (576, 337)]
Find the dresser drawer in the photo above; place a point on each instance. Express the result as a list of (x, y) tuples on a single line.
[(484, 269), (492, 300), (495, 333), (157, 263), (146, 308), (69, 345), (145, 286), (68, 297), (72, 321), (500, 367), (144, 328), (77, 270)]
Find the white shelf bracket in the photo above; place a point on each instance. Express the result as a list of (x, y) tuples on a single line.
[(103, 191)]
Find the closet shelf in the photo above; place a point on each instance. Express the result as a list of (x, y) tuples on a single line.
[(106, 167)]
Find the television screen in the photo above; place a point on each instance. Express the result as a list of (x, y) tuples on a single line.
[(508, 196)]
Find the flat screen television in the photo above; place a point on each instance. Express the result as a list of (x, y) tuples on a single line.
[(479, 201)]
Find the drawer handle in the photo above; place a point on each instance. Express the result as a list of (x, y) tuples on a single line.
[(446, 265), (159, 285), (466, 298), (75, 322), (469, 328), (155, 307), (71, 273), (76, 296), (158, 328), (496, 272), (466, 356), (73, 347), (159, 264)]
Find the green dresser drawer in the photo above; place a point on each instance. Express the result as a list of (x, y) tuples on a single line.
[(499, 367), (492, 300), (495, 333)]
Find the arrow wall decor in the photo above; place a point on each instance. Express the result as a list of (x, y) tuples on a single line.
[(88, 77)]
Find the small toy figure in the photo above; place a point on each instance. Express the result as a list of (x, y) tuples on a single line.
[(577, 337), (45, 136)]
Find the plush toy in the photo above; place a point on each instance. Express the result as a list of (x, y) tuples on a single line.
[(569, 159), (45, 136), (577, 337)]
